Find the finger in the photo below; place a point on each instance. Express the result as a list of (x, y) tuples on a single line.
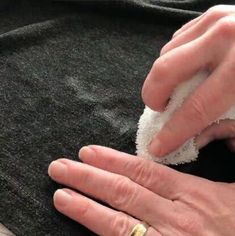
[(186, 36), (116, 190), (187, 26), (222, 130), (187, 33), (169, 70), (160, 179), (231, 144), (96, 217), (202, 24), (196, 111)]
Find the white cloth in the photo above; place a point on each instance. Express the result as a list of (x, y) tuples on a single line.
[(151, 122)]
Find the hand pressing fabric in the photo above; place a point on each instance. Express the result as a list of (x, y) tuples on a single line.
[(205, 43), (170, 202)]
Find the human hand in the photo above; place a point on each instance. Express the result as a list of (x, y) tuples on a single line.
[(206, 43), (172, 203)]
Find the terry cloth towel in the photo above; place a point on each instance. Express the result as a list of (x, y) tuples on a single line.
[(151, 122)]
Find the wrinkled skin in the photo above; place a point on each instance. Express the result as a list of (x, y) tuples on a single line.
[(205, 43), (172, 203)]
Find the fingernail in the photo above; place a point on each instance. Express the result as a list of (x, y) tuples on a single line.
[(86, 152), (57, 169), (62, 198), (155, 147)]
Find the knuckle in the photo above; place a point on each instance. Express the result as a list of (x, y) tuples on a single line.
[(120, 224), (123, 193), (143, 173), (161, 67), (83, 176), (226, 26), (164, 49), (197, 110), (84, 209), (212, 15), (187, 24), (215, 13), (189, 224), (217, 9)]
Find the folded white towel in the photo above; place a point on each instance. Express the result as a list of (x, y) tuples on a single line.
[(151, 122)]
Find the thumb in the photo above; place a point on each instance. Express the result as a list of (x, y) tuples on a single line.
[(225, 129)]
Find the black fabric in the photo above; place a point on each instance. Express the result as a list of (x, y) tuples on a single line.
[(71, 74)]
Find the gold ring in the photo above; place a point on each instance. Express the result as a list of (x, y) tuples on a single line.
[(139, 229)]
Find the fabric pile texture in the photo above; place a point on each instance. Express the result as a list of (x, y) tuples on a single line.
[(151, 122), (71, 75)]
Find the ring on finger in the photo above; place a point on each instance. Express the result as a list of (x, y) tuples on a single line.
[(139, 230)]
